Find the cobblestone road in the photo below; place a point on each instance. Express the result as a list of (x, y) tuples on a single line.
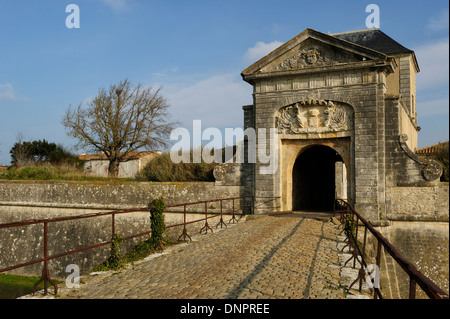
[(264, 257)]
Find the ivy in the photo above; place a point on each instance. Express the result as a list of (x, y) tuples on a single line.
[(142, 249), (349, 228), (115, 261), (157, 224)]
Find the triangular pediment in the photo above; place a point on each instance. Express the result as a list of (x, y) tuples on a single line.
[(312, 50), (312, 53)]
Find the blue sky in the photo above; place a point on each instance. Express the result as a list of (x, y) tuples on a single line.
[(195, 49)]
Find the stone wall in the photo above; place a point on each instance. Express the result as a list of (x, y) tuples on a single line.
[(426, 203), (107, 195), (426, 245), (419, 229), (25, 200)]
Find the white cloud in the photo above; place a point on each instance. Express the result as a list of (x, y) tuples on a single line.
[(439, 22), (7, 92), (217, 101), (260, 50), (433, 62), (117, 5)]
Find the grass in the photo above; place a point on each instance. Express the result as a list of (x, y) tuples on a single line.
[(159, 169), (45, 173), (14, 286)]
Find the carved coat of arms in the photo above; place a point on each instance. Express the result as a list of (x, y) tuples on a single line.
[(313, 115), (311, 56)]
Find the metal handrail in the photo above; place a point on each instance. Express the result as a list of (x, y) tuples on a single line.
[(45, 272), (348, 215)]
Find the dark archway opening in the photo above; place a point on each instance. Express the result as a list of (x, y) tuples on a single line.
[(313, 178)]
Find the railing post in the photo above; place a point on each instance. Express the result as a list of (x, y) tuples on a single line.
[(378, 262), (412, 288), (206, 227), (113, 225), (356, 240), (45, 274), (364, 242), (221, 218), (184, 233), (253, 204), (45, 271), (233, 217)]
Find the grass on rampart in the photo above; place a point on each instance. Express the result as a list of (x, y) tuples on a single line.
[(45, 173), (159, 169)]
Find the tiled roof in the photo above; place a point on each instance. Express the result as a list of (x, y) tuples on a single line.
[(374, 39), (431, 149)]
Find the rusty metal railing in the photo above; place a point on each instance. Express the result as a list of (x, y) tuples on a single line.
[(351, 220), (45, 277)]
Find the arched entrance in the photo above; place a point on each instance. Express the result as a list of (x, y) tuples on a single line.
[(314, 179)]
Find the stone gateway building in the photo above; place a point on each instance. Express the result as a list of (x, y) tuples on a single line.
[(344, 107)]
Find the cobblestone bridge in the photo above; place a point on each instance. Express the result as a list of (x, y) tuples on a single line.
[(285, 256)]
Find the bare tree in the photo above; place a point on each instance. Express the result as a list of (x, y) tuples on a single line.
[(119, 121)]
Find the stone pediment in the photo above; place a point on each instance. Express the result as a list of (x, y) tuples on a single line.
[(312, 50), (311, 54)]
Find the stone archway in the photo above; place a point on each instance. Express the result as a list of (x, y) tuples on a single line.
[(339, 152), (314, 179)]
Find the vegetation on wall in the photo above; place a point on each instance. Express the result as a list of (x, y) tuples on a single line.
[(155, 242), (162, 169), (157, 224), (442, 156), (46, 173)]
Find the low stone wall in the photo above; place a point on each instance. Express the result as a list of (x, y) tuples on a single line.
[(418, 227), (23, 200), (418, 203), (107, 195), (426, 245)]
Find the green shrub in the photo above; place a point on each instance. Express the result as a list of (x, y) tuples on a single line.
[(162, 169), (41, 151)]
